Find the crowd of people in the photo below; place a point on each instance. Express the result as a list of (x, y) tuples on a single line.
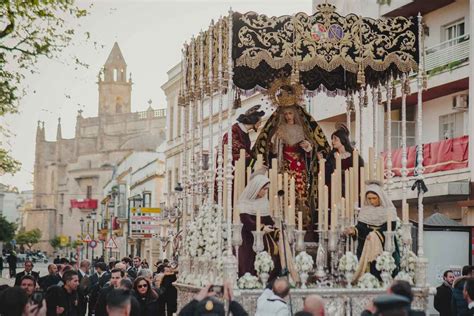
[(121, 287), (455, 296)]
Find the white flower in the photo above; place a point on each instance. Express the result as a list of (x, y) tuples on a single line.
[(404, 276), (368, 281), (304, 262), (263, 262), (385, 262), (248, 281), (348, 262), (408, 262)]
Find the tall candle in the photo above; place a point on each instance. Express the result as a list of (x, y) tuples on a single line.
[(280, 182), (236, 215), (362, 184), (389, 222), (338, 194), (326, 211), (286, 196), (380, 176), (355, 166), (347, 188), (352, 194), (249, 173), (300, 221), (371, 163), (333, 188), (259, 223), (276, 205), (292, 201), (259, 163), (343, 207), (322, 169), (334, 216), (320, 201)]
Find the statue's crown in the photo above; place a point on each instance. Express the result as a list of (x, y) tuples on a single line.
[(284, 93)]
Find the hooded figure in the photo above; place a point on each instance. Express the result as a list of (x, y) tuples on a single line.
[(370, 228), (254, 198)]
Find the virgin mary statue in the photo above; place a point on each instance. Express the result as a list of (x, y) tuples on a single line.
[(293, 137)]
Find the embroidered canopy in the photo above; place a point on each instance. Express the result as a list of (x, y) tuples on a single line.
[(320, 50)]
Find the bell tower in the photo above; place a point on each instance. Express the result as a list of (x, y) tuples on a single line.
[(115, 90)]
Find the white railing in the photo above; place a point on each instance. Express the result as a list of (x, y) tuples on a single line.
[(445, 53)]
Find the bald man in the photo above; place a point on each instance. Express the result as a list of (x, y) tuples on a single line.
[(51, 279), (272, 301), (314, 304)]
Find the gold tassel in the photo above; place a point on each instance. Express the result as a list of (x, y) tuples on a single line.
[(361, 76), (295, 75)]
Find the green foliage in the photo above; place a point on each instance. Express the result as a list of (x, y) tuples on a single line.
[(29, 29), (7, 230), (28, 238), (55, 242)]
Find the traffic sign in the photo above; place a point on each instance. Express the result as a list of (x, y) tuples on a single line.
[(93, 243), (111, 244), (87, 238)]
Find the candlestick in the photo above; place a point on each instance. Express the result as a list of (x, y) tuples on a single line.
[(286, 196), (333, 188), (352, 194), (355, 166), (320, 201), (322, 169), (380, 176), (300, 220), (343, 208), (280, 181), (276, 206), (259, 163)]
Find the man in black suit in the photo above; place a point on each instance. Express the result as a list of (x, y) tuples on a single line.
[(84, 281), (51, 279), (131, 272), (469, 296), (116, 276), (28, 271), (444, 293), (96, 283)]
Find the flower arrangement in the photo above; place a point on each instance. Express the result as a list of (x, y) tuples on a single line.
[(348, 262), (263, 262), (248, 281), (408, 262), (404, 276), (385, 262), (368, 281), (304, 262)]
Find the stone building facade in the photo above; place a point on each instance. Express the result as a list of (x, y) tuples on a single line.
[(69, 174)]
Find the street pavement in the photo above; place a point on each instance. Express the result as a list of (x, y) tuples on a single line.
[(42, 268)]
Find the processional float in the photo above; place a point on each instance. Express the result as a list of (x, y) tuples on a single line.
[(352, 56)]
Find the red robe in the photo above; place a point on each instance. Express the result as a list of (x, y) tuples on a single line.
[(240, 140)]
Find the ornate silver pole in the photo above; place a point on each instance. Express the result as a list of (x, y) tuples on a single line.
[(389, 173), (358, 111), (349, 109), (220, 160), (422, 261), (404, 139), (184, 157), (210, 176), (361, 123), (192, 128), (230, 261), (201, 179)]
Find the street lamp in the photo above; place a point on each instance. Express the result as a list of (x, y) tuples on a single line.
[(82, 237), (87, 243), (93, 216)]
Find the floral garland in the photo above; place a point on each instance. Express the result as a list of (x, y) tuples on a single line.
[(263, 263), (368, 281), (304, 262), (408, 263), (248, 281), (404, 276), (385, 262), (348, 262)]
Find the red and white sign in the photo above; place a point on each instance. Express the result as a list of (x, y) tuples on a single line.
[(87, 238), (111, 244), (93, 244)]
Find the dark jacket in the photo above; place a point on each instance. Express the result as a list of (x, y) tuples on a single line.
[(18, 277), (442, 300), (101, 305), (235, 308), (469, 312), (48, 280), (150, 307), (83, 292), (58, 296), (95, 286), (458, 303), (170, 295)]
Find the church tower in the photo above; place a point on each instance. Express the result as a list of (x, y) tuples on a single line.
[(114, 90)]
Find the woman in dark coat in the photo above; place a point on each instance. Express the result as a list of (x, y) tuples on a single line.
[(147, 297)]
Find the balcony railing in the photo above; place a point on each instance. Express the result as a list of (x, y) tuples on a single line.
[(449, 154), (447, 54)]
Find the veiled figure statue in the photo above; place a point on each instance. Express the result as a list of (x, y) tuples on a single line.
[(293, 137)]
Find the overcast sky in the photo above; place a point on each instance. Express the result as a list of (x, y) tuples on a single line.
[(150, 34)]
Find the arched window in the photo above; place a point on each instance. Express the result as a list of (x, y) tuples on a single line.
[(115, 74)]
